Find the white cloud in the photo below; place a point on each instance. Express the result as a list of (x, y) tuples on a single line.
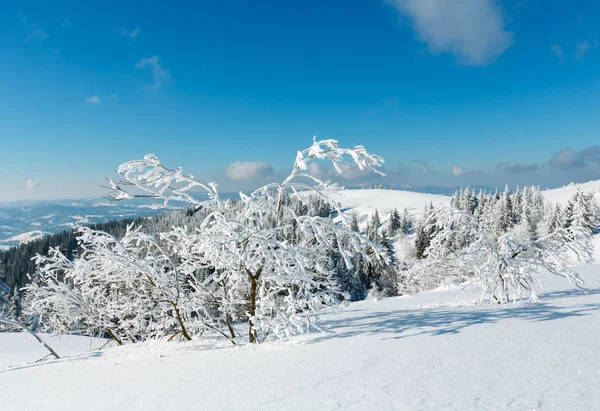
[(472, 30), (457, 170), (132, 34), (35, 31), (93, 100), (581, 49), (556, 49), (32, 184), (159, 74), (248, 170)]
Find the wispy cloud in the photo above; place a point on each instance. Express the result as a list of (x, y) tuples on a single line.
[(34, 30), (568, 158), (472, 31), (93, 100), (581, 49), (558, 51), (248, 170), (131, 34), (423, 166), (517, 168), (157, 72), (32, 184), (457, 170)]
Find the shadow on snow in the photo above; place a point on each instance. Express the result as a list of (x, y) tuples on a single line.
[(400, 324)]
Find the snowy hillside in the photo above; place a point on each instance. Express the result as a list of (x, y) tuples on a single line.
[(563, 194), (25, 237), (435, 350), (364, 203)]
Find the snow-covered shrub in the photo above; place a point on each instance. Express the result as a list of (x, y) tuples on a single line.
[(264, 261), (503, 268), (128, 288)]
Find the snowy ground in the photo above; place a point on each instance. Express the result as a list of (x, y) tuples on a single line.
[(435, 350), (563, 194), (365, 202)]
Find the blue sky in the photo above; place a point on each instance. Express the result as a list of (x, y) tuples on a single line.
[(469, 92)]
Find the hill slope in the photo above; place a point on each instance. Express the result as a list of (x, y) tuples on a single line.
[(564, 194), (428, 351)]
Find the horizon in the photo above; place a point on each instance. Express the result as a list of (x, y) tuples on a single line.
[(490, 94)]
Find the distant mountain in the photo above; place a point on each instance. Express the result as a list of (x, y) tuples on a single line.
[(21, 222), (439, 190)]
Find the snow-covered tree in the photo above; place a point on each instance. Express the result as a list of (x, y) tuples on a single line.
[(16, 305), (251, 271), (373, 227), (504, 269), (354, 223), (4, 302), (552, 220), (395, 222), (583, 213), (406, 222), (129, 289)]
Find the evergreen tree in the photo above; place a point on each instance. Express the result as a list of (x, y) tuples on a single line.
[(373, 228), (395, 222), (583, 213), (552, 221), (16, 304), (407, 222), (354, 223), (421, 241)]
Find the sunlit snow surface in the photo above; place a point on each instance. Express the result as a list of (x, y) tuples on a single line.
[(395, 353), (436, 350)]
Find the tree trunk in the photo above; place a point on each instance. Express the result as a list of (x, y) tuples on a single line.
[(180, 321), (252, 304)]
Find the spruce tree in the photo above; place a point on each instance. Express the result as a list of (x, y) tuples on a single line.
[(395, 221)]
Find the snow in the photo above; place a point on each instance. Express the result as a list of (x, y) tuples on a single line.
[(26, 237), (367, 200), (22, 350), (394, 353), (564, 194), (596, 244), (435, 350)]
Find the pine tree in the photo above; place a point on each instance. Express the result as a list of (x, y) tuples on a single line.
[(407, 222), (16, 304), (421, 242), (373, 228), (552, 220), (526, 223), (421, 235), (568, 214), (395, 222), (354, 223), (583, 213)]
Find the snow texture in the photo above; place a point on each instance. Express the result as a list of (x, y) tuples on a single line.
[(385, 354)]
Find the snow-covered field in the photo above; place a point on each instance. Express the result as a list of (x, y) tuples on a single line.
[(367, 200), (435, 350), (563, 194)]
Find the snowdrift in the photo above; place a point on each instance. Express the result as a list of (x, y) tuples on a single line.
[(436, 350)]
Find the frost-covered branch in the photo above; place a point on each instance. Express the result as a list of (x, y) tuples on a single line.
[(504, 268), (260, 261)]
